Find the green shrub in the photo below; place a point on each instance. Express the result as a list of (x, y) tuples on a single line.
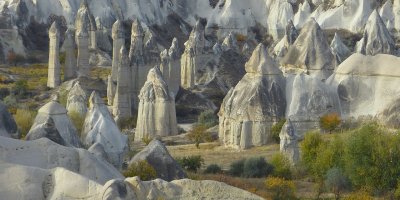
[(191, 163), (236, 168), (142, 169), (20, 87), (199, 134), (282, 166), (336, 182), (213, 169), (281, 188), (276, 130), (127, 123), (24, 119), (256, 167), (310, 148), (208, 119)]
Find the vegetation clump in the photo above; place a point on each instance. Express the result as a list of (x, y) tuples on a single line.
[(191, 163), (142, 169), (199, 134)]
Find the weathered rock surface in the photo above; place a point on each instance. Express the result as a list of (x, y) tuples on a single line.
[(58, 113), (310, 52), (171, 67), (45, 154), (77, 100), (8, 127), (54, 74), (366, 85), (339, 49), (70, 69), (289, 142), (159, 158), (306, 106), (100, 129), (46, 130), (257, 101), (156, 113), (376, 38), (82, 28), (290, 37)]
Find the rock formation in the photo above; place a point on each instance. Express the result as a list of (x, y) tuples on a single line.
[(157, 155), (122, 100), (8, 127), (70, 69), (289, 142), (77, 100), (193, 57), (290, 37), (171, 67), (339, 49), (46, 130), (307, 106), (54, 74), (100, 130), (310, 52), (64, 126), (387, 15), (258, 100), (376, 38), (302, 14), (82, 27), (280, 13), (362, 84), (230, 43), (156, 113), (59, 183), (45, 154)]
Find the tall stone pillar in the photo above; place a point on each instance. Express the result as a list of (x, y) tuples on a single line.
[(137, 59), (54, 73), (82, 40), (70, 69)]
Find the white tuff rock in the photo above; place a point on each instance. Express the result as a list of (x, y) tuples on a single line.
[(54, 74), (339, 49), (77, 100), (289, 142)]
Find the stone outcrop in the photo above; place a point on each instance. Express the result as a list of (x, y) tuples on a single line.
[(157, 155), (45, 154), (64, 126), (310, 52), (306, 106), (376, 38), (339, 49), (59, 183), (280, 13), (156, 113), (302, 14), (362, 83), (171, 67), (290, 37), (70, 70), (289, 142), (101, 134), (193, 58), (77, 100), (257, 101), (54, 74), (46, 130), (230, 43), (122, 100), (8, 127), (82, 27)]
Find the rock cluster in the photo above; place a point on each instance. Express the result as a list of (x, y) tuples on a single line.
[(258, 100), (156, 113)]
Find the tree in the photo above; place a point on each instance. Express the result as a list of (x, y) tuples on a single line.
[(330, 122), (336, 182), (191, 163), (199, 134)]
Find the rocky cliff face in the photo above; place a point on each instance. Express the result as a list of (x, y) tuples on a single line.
[(256, 102)]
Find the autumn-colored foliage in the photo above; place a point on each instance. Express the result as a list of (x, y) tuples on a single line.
[(281, 188), (330, 122)]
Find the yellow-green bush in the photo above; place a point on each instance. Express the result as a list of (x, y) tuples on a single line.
[(24, 119), (281, 188), (78, 120), (141, 169)]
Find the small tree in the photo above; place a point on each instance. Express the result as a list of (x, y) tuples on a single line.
[(142, 169), (336, 181), (281, 188), (199, 134), (191, 163), (282, 166), (330, 122)]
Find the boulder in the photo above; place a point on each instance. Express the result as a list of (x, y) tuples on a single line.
[(46, 130), (99, 129), (8, 127), (310, 52), (157, 155), (254, 104), (45, 154), (63, 124), (156, 113)]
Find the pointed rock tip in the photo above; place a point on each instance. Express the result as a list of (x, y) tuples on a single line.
[(137, 28), (261, 63), (54, 27)]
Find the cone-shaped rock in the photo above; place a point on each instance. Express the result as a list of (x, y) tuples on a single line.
[(77, 100), (376, 38), (156, 113), (258, 100), (339, 49), (230, 43), (99, 128), (290, 37), (310, 52)]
